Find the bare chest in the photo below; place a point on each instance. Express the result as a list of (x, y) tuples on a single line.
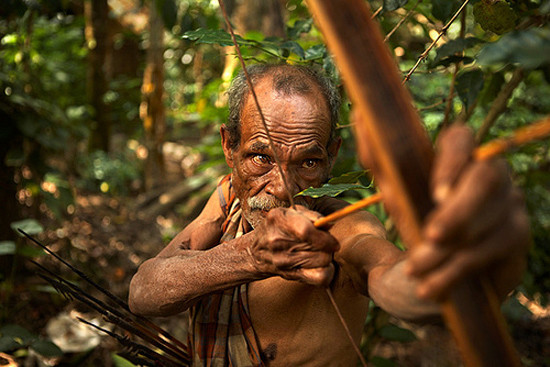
[(296, 324)]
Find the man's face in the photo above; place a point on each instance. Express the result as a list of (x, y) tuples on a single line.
[(299, 126)]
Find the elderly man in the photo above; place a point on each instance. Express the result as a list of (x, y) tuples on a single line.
[(253, 270)]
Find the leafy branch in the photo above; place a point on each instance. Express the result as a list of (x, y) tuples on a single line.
[(441, 33), (338, 185), (409, 13), (274, 47), (499, 104)]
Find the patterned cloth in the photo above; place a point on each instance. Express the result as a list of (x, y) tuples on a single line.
[(220, 331)]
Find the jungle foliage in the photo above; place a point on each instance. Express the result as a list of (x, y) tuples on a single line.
[(490, 69)]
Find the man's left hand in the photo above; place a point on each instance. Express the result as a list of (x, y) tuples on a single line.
[(479, 223)]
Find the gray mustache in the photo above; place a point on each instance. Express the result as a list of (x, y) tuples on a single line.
[(269, 202)]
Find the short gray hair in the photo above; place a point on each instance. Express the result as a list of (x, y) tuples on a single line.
[(288, 79)]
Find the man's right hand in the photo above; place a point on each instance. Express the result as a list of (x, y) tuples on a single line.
[(288, 245)]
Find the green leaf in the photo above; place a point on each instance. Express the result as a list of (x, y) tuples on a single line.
[(393, 332), (391, 5), (529, 48), (300, 26), (121, 362), (455, 46), (330, 190), (315, 52), (8, 343), (497, 17), (18, 333), (444, 9), (337, 185), (377, 361), (30, 226), (468, 85), (46, 348), (7, 248), (446, 61), (9, 39), (294, 47), (215, 36), (348, 178)]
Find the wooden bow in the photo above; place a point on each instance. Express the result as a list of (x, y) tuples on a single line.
[(402, 155)]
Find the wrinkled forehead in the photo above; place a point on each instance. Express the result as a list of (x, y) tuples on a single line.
[(300, 113)]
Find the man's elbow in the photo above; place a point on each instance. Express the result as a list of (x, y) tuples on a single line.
[(137, 297), (147, 297)]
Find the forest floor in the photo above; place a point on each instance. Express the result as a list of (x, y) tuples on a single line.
[(107, 238)]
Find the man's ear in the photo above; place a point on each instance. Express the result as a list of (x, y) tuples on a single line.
[(333, 149), (226, 145)]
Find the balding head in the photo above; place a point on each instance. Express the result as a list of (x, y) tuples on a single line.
[(286, 79)]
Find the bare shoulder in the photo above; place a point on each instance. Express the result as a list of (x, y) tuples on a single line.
[(202, 233), (363, 248), (354, 229), (358, 223)]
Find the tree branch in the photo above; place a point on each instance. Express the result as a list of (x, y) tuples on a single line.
[(401, 21), (441, 33), (499, 105)]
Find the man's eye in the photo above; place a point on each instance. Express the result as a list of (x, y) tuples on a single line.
[(261, 159), (310, 163)]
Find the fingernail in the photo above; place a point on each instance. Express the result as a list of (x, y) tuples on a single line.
[(441, 192)]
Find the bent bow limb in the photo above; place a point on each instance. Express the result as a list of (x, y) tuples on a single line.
[(402, 155)]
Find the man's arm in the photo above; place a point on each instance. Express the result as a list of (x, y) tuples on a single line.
[(286, 244), (479, 225), (377, 267), (164, 286), (160, 286)]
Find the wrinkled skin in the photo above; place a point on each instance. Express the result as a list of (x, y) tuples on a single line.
[(300, 131), (478, 225)]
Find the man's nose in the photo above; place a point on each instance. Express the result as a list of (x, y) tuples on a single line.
[(276, 185)]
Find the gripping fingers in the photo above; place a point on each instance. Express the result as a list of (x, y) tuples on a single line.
[(454, 147), (301, 259), (474, 259), (425, 257), (294, 231), (479, 202), (464, 220)]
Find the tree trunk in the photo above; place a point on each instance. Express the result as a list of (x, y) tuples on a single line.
[(98, 41), (266, 16), (152, 108)]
